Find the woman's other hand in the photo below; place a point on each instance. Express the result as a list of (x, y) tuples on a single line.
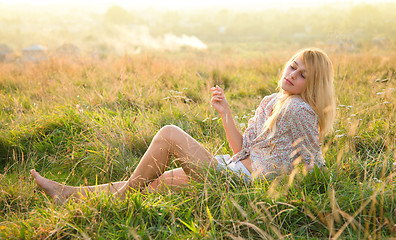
[(219, 101)]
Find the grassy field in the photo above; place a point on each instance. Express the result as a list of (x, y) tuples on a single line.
[(88, 121)]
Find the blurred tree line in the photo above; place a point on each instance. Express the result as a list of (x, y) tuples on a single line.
[(116, 29), (334, 24)]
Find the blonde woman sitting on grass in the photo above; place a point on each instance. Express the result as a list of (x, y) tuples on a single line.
[(287, 128)]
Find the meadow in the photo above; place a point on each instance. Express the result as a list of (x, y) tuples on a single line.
[(84, 121)]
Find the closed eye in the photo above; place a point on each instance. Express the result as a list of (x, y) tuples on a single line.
[(293, 68)]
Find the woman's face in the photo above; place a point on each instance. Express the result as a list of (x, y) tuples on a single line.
[(294, 77)]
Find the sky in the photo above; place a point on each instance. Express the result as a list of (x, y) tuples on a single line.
[(190, 4)]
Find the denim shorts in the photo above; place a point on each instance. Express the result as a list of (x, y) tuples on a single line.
[(225, 163)]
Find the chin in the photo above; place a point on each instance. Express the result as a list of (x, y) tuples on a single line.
[(287, 92), (285, 89)]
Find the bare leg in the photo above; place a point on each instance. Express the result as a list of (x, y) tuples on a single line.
[(173, 179), (170, 140), (60, 192)]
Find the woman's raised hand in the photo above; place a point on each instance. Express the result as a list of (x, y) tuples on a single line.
[(219, 101)]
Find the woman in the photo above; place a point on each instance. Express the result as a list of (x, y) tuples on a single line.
[(287, 129)]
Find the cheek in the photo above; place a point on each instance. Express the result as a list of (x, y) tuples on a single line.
[(302, 84)]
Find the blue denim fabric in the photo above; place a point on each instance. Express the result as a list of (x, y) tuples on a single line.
[(225, 163)]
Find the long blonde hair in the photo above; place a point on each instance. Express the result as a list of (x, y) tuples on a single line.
[(318, 91)]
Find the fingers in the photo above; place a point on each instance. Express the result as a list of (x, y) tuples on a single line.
[(216, 88), (217, 95), (218, 99), (217, 91)]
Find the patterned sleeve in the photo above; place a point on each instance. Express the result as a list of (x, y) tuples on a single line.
[(251, 131), (305, 135)]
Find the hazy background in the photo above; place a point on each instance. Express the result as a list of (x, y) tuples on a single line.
[(133, 27)]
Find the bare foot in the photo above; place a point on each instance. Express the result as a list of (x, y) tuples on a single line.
[(59, 192)]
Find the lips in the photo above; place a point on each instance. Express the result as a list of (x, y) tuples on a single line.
[(288, 82)]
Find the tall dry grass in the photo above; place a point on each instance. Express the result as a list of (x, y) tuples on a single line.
[(88, 121)]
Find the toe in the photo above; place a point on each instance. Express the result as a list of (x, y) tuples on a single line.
[(35, 174)]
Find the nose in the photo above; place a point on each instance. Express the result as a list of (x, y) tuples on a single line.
[(293, 74)]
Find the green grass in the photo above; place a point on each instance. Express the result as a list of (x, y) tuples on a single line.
[(89, 122)]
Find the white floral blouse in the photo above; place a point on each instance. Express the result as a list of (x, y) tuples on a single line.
[(296, 137)]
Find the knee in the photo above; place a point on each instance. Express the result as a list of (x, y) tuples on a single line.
[(168, 132)]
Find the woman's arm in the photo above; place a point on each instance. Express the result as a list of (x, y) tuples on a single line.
[(220, 104)]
